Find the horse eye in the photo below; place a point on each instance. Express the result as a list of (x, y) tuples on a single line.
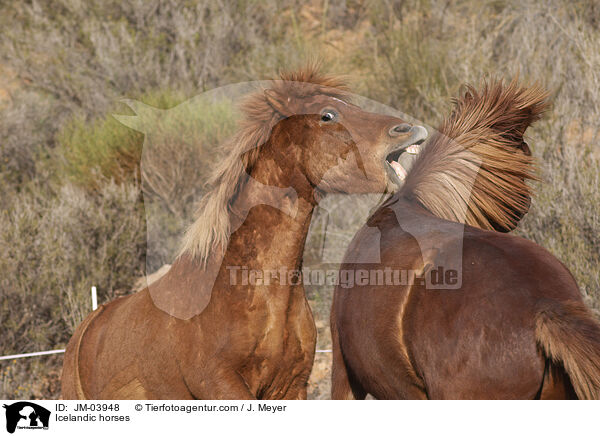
[(328, 115)]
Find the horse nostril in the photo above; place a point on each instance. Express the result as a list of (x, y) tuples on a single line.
[(400, 128)]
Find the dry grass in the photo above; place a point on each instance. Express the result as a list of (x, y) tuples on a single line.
[(64, 65)]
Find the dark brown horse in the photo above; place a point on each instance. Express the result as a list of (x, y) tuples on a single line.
[(205, 331), (482, 314)]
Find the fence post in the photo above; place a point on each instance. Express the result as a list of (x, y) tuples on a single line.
[(94, 299)]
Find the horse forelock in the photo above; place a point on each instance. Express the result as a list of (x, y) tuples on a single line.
[(474, 169), (211, 229)]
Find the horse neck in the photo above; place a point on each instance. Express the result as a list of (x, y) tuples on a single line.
[(406, 207), (270, 216), (269, 243), (269, 219), (408, 214)]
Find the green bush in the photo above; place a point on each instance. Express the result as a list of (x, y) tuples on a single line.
[(101, 149), (178, 142), (166, 148)]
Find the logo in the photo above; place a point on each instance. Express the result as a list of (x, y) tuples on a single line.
[(26, 415)]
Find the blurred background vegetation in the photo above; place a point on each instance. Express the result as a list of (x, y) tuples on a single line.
[(71, 204)]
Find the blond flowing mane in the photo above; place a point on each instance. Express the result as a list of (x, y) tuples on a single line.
[(475, 163), (262, 110)]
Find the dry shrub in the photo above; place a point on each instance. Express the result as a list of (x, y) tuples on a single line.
[(53, 250)]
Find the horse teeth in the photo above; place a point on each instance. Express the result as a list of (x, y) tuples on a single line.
[(413, 149), (399, 169)]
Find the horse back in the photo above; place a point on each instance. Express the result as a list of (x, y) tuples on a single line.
[(411, 341), (479, 341), (127, 334)]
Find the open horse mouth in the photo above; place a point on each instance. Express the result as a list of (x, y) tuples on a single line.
[(411, 146)]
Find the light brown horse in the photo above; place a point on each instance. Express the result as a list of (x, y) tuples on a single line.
[(204, 331), (511, 323)]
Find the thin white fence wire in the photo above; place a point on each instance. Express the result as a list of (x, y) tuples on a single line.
[(37, 353)]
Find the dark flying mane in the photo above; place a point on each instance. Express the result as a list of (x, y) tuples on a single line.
[(481, 141)]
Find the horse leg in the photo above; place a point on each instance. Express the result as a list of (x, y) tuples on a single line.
[(342, 385), (298, 389), (218, 384), (298, 392)]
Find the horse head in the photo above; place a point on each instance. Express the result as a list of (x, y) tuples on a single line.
[(334, 144)]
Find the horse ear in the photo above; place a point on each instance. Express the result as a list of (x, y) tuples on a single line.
[(525, 148), (278, 102)]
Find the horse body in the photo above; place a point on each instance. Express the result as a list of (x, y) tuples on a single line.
[(203, 330), (478, 341), (244, 342), (515, 326)]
